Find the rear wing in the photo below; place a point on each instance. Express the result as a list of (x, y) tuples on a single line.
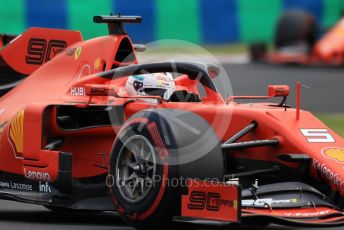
[(25, 53)]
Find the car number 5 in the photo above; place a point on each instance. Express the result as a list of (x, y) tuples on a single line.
[(318, 135)]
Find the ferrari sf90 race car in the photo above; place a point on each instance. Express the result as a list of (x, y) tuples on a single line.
[(298, 40), (73, 138)]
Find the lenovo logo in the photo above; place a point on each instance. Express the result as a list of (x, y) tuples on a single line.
[(38, 176)]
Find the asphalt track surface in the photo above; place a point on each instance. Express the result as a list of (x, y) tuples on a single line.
[(323, 91), (325, 94)]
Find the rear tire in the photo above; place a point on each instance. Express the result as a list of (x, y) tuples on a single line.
[(296, 27), (155, 207)]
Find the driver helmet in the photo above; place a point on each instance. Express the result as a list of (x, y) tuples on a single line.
[(152, 84)]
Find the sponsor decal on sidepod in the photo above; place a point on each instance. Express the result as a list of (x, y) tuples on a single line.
[(15, 185), (40, 176)]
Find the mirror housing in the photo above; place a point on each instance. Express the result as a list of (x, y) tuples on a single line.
[(278, 91)]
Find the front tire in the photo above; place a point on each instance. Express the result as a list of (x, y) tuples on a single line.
[(142, 154)]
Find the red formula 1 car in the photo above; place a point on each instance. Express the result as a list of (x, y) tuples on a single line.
[(72, 138), (297, 42)]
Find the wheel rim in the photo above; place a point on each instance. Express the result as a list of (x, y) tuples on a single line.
[(135, 169)]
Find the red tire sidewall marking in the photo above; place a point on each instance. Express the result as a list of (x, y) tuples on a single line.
[(163, 153)]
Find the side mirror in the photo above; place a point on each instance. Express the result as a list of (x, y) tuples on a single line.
[(278, 91), (273, 91)]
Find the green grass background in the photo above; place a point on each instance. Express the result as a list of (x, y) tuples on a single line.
[(334, 122)]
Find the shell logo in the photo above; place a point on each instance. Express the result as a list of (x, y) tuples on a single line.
[(334, 153), (16, 133)]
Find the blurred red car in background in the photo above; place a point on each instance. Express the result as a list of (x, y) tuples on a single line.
[(297, 42)]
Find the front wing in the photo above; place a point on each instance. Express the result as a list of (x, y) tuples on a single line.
[(220, 204)]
